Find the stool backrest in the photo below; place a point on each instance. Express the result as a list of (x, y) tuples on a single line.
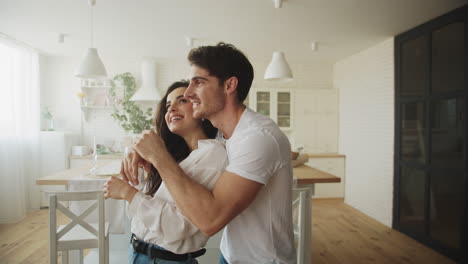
[(76, 220)]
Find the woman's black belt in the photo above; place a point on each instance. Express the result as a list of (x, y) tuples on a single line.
[(148, 249)]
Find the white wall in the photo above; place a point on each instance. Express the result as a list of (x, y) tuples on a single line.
[(365, 82), (314, 108), (58, 91)]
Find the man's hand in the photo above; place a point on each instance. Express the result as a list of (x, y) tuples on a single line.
[(130, 165), (118, 189), (151, 147)]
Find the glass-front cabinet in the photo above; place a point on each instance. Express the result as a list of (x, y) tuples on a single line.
[(277, 104)]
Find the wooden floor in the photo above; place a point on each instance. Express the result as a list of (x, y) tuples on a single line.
[(27, 241), (341, 234)]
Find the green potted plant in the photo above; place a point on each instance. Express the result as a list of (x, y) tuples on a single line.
[(127, 113)]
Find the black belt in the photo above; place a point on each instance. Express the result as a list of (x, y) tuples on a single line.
[(152, 252)]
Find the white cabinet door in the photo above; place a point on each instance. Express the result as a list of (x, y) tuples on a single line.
[(277, 104)]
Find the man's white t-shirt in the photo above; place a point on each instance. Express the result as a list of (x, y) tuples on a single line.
[(263, 232), (157, 220)]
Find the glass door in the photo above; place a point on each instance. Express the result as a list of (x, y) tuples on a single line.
[(263, 103), (284, 109), (431, 183)]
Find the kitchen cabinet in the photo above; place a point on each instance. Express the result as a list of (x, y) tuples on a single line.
[(277, 104), (316, 120), (54, 147), (333, 164)]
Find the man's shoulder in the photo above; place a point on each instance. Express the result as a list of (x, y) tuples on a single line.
[(258, 136), (256, 122)]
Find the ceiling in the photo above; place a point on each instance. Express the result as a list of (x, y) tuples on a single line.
[(136, 28)]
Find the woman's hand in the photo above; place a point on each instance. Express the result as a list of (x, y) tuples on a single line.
[(151, 147), (118, 189), (130, 165)]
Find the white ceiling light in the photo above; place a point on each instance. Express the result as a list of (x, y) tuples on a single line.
[(314, 45), (61, 38), (278, 69), (148, 90), (91, 66), (189, 42), (278, 3)]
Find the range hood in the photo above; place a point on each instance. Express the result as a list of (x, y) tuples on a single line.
[(148, 90)]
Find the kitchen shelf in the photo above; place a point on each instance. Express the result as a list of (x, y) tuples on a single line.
[(97, 94), (88, 109)]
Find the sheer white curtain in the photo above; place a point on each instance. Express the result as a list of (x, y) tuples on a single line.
[(19, 130)]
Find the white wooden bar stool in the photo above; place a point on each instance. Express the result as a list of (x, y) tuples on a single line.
[(78, 234), (302, 217)]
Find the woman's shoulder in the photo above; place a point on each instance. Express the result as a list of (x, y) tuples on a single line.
[(210, 153), (212, 146), (211, 143)]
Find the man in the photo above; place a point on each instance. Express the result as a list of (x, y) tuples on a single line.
[(252, 198)]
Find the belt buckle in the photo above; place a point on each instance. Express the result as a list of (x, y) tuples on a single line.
[(134, 242)]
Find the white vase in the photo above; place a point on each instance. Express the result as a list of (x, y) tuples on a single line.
[(50, 125)]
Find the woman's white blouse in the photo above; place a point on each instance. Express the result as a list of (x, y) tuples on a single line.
[(157, 220)]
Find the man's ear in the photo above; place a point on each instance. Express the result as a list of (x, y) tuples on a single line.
[(231, 85)]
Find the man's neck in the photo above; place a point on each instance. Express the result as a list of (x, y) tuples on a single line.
[(227, 119)]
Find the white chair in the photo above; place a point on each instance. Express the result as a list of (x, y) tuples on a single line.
[(78, 234), (302, 217)]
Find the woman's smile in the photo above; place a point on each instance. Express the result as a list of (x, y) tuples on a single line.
[(175, 117)]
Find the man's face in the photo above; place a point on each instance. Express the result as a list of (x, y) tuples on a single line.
[(205, 93)]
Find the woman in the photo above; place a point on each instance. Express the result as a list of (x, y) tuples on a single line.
[(161, 234)]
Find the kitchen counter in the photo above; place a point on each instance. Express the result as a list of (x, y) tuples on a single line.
[(304, 175), (308, 175), (325, 155), (100, 157), (62, 177)]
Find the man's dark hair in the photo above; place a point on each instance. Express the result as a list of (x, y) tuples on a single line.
[(225, 61)]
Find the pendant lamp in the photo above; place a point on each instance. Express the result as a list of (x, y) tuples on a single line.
[(148, 90), (278, 69), (91, 66)]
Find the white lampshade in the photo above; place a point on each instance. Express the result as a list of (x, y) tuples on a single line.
[(148, 90), (91, 66), (278, 69)]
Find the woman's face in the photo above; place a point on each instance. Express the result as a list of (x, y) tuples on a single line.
[(179, 118)]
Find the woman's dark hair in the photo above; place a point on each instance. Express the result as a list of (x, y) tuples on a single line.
[(225, 61), (175, 144)]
